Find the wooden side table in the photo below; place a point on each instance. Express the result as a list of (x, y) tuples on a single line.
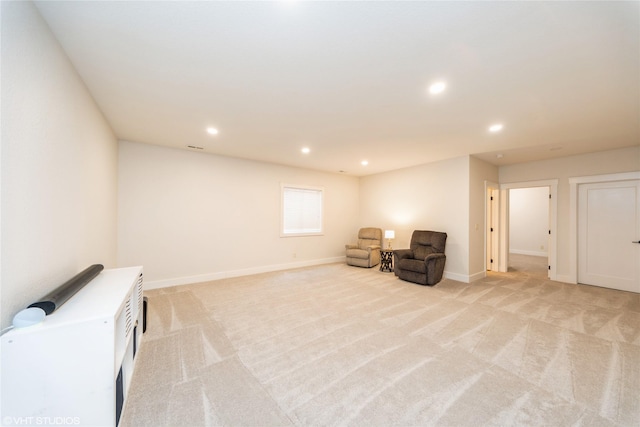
[(386, 260)]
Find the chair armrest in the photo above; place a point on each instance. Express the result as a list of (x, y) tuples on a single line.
[(350, 246), (372, 247), (434, 257), (434, 265), (403, 253)]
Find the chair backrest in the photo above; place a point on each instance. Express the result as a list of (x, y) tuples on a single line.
[(425, 242), (369, 236)]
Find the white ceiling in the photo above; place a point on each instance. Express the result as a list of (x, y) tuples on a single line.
[(349, 79)]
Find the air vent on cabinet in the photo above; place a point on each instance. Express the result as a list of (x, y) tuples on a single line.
[(139, 292), (128, 318)]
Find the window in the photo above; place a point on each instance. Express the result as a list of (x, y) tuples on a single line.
[(301, 210)]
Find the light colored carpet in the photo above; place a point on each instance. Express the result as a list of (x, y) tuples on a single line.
[(339, 345)]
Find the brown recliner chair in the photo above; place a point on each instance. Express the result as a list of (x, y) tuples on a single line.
[(424, 262), (367, 252)]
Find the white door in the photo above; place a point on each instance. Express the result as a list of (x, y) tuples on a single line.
[(493, 201), (608, 232)]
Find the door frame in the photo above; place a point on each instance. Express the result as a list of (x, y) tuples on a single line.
[(552, 256), (492, 219), (574, 182)]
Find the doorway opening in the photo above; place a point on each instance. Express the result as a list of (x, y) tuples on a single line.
[(534, 266), (529, 230), (528, 241)]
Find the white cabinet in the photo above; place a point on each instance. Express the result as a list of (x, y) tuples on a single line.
[(75, 367)]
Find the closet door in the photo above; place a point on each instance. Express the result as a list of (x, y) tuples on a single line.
[(608, 234)]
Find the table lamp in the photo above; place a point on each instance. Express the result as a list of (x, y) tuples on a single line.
[(389, 235)]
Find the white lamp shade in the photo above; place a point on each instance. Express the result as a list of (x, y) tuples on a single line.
[(389, 234)]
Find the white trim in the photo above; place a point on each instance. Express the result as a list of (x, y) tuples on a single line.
[(464, 278), (528, 184), (477, 276), (573, 212), (625, 176), (488, 222), (553, 221), (187, 280), (503, 237)]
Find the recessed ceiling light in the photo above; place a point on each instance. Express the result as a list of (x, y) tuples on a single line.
[(212, 131), (364, 163), (437, 88), (496, 128), (499, 156), (306, 150)]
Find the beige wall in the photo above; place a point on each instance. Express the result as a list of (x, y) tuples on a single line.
[(59, 163), (605, 162), (189, 216), (434, 196), (479, 173)]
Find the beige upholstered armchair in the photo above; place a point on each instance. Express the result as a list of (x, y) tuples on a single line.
[(424, 262), (367, 252)]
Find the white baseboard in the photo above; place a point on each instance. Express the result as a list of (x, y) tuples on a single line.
[(532, 253), (464, 278), (477, 276), (564, 279), (187, 280)]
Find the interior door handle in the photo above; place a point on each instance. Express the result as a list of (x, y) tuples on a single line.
[(636, 242)]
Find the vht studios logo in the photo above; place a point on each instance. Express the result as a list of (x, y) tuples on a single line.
[(41, 421)]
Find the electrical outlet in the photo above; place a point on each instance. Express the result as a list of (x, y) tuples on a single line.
[(542, 247)]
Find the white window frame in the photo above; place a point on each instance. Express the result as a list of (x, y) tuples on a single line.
[(300, 232)]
